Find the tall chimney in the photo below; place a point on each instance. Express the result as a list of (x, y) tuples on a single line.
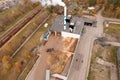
[(65, 14)]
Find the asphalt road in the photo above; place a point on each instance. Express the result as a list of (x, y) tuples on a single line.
[(80, 68), (112, 19)]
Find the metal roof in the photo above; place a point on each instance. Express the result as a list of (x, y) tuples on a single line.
[(58, 25)]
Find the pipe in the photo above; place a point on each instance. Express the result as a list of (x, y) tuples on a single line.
[(47, 74), (65, 14)]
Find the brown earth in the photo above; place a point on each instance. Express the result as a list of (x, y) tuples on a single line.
[(106, 53)]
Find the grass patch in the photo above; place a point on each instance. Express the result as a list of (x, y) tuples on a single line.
[(27, 69), (113, 54), (90, 76), (113, 32), (113, 29), (106, 53)]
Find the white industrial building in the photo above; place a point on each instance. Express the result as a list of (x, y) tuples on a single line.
[(73, 27)]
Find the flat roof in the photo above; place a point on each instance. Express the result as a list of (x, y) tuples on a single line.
[(58, 25)]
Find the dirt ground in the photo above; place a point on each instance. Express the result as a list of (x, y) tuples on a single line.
[(59, 52), (106, 53)]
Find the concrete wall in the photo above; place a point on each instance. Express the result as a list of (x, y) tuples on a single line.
[(67, 34)]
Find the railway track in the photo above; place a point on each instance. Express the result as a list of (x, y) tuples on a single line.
[(11, 32), (29, 37), (19, 22)]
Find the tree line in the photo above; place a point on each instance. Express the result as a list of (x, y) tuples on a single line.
[(112, 7), (11, 15)]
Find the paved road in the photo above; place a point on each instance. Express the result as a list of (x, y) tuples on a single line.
[(80, 68), (112, 19), (38, 70), (113, 43)]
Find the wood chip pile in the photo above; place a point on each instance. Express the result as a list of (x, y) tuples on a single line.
[(57, 61), (69, 44)]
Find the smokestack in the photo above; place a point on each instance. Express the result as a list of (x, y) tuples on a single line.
[(65, 16), (54, 3)]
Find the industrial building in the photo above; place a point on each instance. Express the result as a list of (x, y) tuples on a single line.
[(68, 26), (71, 28), (74, 26)]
